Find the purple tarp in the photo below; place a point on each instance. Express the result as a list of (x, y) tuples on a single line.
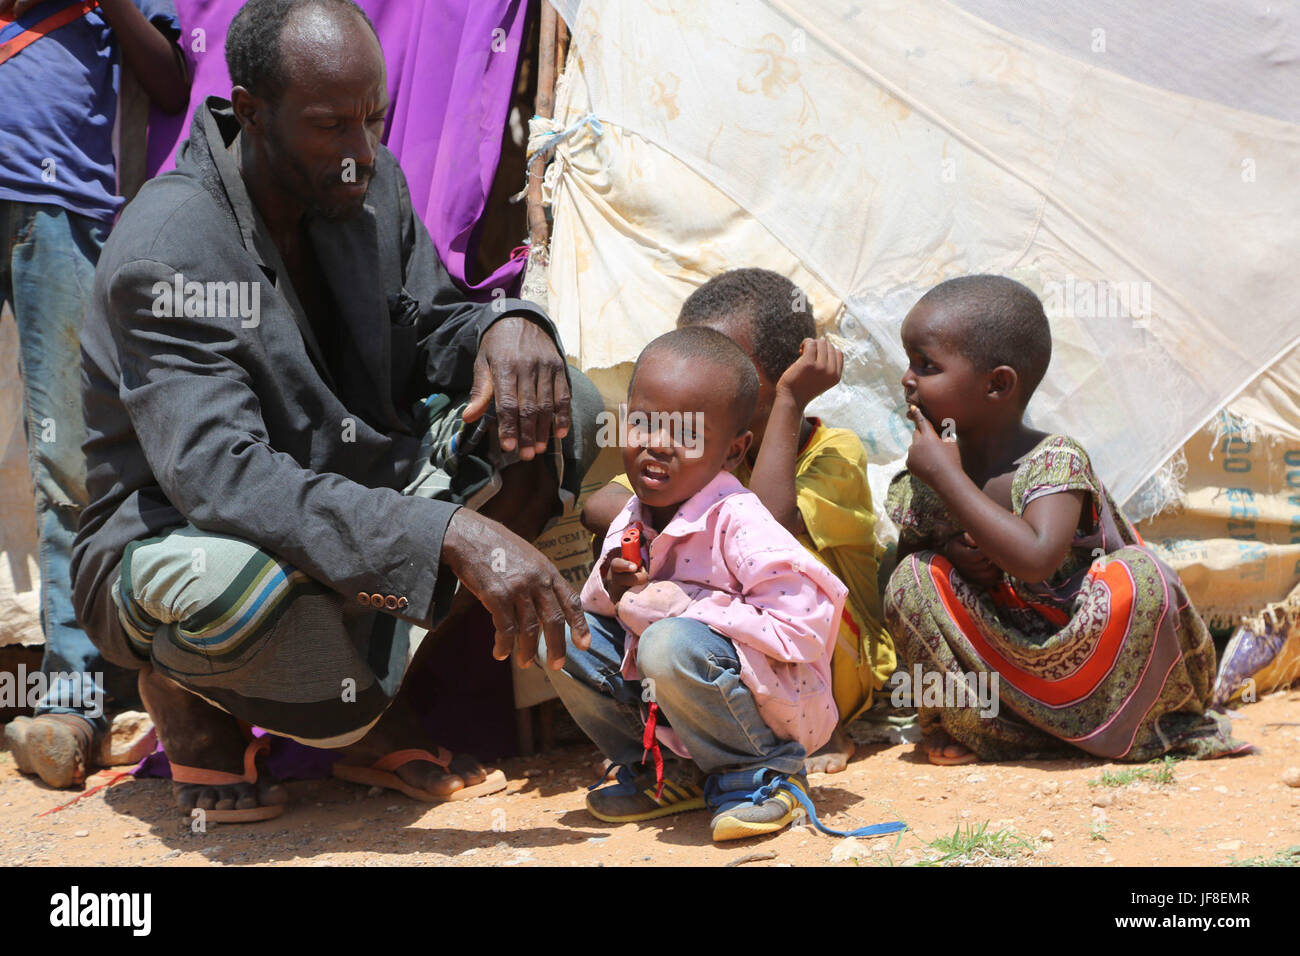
[(451, 70)]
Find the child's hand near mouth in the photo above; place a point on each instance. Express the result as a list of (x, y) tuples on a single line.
[(929, 457)]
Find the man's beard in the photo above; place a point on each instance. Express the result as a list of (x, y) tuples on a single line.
[(315, 202)]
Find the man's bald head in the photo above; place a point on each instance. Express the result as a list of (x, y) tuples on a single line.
[(257, 53)]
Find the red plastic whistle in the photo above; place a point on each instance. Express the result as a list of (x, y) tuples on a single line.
[(632, 544)]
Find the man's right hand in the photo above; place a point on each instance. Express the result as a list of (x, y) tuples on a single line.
[(520, 588)]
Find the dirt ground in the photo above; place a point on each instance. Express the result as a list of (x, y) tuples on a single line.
[(1038, 813)]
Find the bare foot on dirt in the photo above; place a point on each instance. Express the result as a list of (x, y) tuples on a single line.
[(833, 757), (194, 733), (942, 750)]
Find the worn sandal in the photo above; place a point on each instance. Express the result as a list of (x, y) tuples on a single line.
[(382, 773), (220, 778)]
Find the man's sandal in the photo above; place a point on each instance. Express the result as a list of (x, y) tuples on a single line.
[(220, 778), (382, 773)]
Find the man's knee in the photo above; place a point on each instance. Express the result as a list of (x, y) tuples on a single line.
[(216, 591)]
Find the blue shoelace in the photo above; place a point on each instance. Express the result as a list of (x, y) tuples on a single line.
[(717, 799)]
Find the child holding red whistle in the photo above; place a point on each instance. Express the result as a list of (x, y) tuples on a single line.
[(711, 626), (810, 475)]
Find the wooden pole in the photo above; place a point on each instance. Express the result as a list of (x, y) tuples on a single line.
[(538, 229), (561, 45)]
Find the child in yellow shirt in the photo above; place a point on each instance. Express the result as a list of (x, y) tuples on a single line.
[(812, 478)]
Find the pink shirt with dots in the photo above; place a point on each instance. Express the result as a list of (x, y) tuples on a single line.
[(725, 561)]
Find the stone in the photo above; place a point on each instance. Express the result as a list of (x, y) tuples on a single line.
[(131, 738), (848, 849), (1291, 776), (1103, 799), (1229, 845), (1046, 835)]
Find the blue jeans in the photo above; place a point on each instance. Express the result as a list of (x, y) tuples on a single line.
[(696, 682), (47, 268)]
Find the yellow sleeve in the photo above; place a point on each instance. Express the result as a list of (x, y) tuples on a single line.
[(834, 499), (622, 481), (832, 494)]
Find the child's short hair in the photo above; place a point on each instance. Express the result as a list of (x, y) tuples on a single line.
[(774, 307), (711, 346), (998, 322)]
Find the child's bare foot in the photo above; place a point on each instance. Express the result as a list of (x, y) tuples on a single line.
[(196, 734), (944, 751), (833, 757)]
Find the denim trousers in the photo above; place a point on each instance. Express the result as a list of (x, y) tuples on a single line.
[(693, 673), (47, 268)]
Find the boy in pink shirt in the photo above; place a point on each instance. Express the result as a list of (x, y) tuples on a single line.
[(717, 641)]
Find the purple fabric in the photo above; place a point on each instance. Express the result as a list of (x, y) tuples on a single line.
[(288, 760), (449, 78)]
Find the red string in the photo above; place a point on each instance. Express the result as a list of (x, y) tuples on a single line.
[(116, 778), (651, 744)]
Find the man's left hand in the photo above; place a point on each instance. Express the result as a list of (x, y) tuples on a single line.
[(519, 366)]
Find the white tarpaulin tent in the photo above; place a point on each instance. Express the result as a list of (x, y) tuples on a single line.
[(1136, 165)]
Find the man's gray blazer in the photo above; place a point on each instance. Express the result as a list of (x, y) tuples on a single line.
[(239, 428)]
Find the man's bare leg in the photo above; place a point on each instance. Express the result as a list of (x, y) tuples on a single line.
[(196, 734)]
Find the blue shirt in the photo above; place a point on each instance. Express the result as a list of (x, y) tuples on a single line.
[(58, 104)]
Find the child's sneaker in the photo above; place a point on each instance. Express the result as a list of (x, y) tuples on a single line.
[(632, 799), (748, 803)]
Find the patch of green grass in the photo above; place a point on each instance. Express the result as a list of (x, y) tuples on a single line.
[(1288, 857), (1098, 831), (969, 844), (1160, 774)]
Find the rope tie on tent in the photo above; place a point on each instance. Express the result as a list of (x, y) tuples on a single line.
[(544, 138)]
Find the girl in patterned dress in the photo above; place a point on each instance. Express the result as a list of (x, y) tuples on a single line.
[(1017, 570)]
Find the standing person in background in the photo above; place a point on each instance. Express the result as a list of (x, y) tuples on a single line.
[(60, 69)]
